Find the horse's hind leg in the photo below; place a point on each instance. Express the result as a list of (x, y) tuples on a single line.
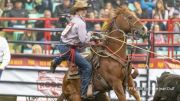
[(132, 89), (118, 89)]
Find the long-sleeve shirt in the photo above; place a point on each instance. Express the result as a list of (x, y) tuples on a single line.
[(4, 53), (78, 33)]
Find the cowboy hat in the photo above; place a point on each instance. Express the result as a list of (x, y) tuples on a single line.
[(80, 5)]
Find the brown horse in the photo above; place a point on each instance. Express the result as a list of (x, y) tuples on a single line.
[(113, 70)]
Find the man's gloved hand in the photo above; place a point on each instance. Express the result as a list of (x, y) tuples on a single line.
[(53, 66)]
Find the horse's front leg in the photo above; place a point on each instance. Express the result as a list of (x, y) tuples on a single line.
[(132, 89), (118, 89)]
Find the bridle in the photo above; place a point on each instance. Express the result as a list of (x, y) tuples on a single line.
[(131, 23), (118, 29)]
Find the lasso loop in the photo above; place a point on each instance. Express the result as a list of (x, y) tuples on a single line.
[(105, 56)]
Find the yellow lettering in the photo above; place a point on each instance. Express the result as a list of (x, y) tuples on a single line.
[(42, 63), (16, 62), (48, 63), (160, 64), (151, 65), (31, 62), (141, 65)]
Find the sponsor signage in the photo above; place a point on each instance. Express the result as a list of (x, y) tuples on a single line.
[(154, 63)]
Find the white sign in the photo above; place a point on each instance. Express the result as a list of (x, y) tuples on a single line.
[(43, 83)]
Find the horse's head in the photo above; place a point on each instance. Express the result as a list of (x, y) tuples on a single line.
[(127, 21)]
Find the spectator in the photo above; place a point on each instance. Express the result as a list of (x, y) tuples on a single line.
[(96, 5), (147, 7), (131, 5), (160, 10), (38, 6), (37, 49), (176, 15), (161, 24), (8, 7), (159, 39), (97, 27), (42, 24), (17, 12), (90, 24), (138, 10), (42, 5), (176, 29), (64, 8), (4, 54), (109, 6), (170, 6), (116, 3), (29, 5), (106, 13), (177, 7), (28, 36)]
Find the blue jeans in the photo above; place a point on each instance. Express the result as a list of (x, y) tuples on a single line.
[(85, 67)]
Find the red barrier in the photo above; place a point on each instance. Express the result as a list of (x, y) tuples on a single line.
[(170, 23)]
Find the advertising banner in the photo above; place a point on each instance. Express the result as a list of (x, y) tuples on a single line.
[(42, 83), (31, 83)]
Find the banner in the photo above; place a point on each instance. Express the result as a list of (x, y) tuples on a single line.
[(31, 83)]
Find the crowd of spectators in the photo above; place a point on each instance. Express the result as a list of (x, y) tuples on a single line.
[(144, 9)]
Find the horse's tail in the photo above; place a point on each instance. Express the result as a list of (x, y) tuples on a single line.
[(135, 73), (61, 97)]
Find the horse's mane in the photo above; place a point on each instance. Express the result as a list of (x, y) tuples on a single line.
[(120, 10)]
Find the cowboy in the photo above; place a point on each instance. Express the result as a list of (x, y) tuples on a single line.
[(4, 54), (75, 35)]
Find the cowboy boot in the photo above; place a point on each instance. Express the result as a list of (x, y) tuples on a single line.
[(53, 66)]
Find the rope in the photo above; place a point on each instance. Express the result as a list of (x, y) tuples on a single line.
[(141, 48), (113, 53)]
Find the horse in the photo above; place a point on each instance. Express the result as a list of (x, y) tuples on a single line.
[(113, 71), (168, 87)]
